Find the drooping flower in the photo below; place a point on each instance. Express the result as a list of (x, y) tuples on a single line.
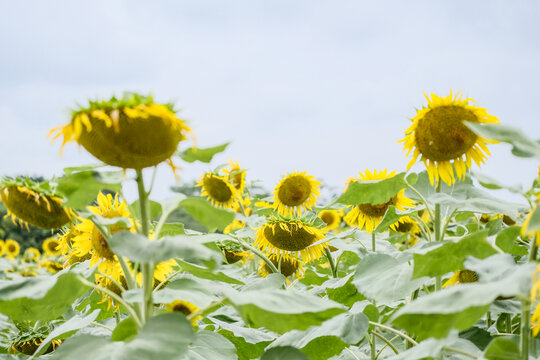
[(462, 277), (295, 193), (440, 138), (369, 216), (288, 266), (132, 132), (234, 252), (218, 190)]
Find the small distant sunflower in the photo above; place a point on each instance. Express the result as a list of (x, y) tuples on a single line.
[(26, 337), (290, 237), (51, 266), (290, 267), (462, 277), (51, 246), (29, 347), (33, 203), (218, 190), (369, 216), (234, 252), (236, 176), (184, 307), (410, 227), (132, 132), (12, 248), (32, 254), (439, 136), (295, 193), (2, 247), (332, 218)]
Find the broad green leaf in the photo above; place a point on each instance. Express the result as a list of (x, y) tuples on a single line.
[(282, 311), (153, 209), (207, 214), (506, 240), (492, 184), (75, 323), (41, 297), (286, 352), (460, 307), (244, 349), (140, 249), (125, 330), (433, 348), (450, 255), (373, 192), (81, 188), (172, 229), (521, 145), (342, 290), (327, 339), (165, 336), (385, 279), (502, 348), (392, 216), (205, 273), (203, 155), (195, 292), (210, 345)]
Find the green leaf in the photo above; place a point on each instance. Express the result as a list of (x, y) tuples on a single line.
[(140, 249), (384, 278), (392, 216), (506, 240), (207, 214), (125, 330), (454, 253), (286, 352), (492, 184), (172, 229), (210, 345), (40, 298), (153, 208), (280, 310), (205, 273), (521, 145), (373, 192), (502, 348), (165, 336), (460, 307), (195, 291), (433, 348), (328, 339), (203, 155), (81, 188)]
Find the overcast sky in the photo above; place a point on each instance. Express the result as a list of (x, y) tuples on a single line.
[(322, 86)]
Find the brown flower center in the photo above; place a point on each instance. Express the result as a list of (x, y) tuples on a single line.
[(288, 266), (217, 189), (377, 210), (294, 190), (293, 239), (467, 276)]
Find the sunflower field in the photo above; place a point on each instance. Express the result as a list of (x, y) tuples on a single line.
[(397, 266)]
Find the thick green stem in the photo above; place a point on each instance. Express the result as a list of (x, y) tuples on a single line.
[(331, 262), (373, 241), (373, 348), (260, 255), (395, 331)]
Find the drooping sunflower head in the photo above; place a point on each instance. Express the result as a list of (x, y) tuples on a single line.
[(288, 266), (462, 277), (369, 216), (184, 307), (410, 227), (439, 136), (295, 193), (51, 246), (290, 236), (26, 338), (218, 190), (132, 132), (332, 218), (234, 252), (12, 248), (236, 176), (33, 203)]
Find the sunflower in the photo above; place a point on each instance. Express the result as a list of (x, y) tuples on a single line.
[(296, 192), (409, 226), (370, 215), (218, 190), (439, 136), (33, 203), (462, 277), (236, 176), (289, 266), (184, 307), (332, 218), (290, 236), (32, 254), (51, 246), (29, 347), (51, 266), (2, 247), (131, 132), (12, 248)]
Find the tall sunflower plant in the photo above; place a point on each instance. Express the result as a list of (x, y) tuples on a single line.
[(402, 265)]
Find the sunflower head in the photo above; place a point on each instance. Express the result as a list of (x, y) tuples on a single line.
[(218, 190), (439, 136), (12, 248), (2, 247), (291, 236), (234, 252), (288, 266), (130, 132), (369, 216), (295, 193), (236, 176), (462, 277), (27, 338), (33, 203), (51, 266), (51, 246), (32, 254), (184, 307), (332, 218)]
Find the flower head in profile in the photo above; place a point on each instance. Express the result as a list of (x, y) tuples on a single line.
[(295, 193), (440, 138), (186, 308), (288, 266), (236, 176), (462, 277)]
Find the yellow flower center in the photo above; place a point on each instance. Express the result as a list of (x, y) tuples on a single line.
[(217, 189), (293, 239), (441, 134), (467, 276), (377, 210), (294, 190)]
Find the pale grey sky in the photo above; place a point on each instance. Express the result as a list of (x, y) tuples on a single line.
[(322, 86)]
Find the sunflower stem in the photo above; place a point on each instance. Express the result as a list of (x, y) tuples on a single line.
[(373, 240), (260, 255), (413, 189), (437, 231), (331, 262), (395, 331)]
